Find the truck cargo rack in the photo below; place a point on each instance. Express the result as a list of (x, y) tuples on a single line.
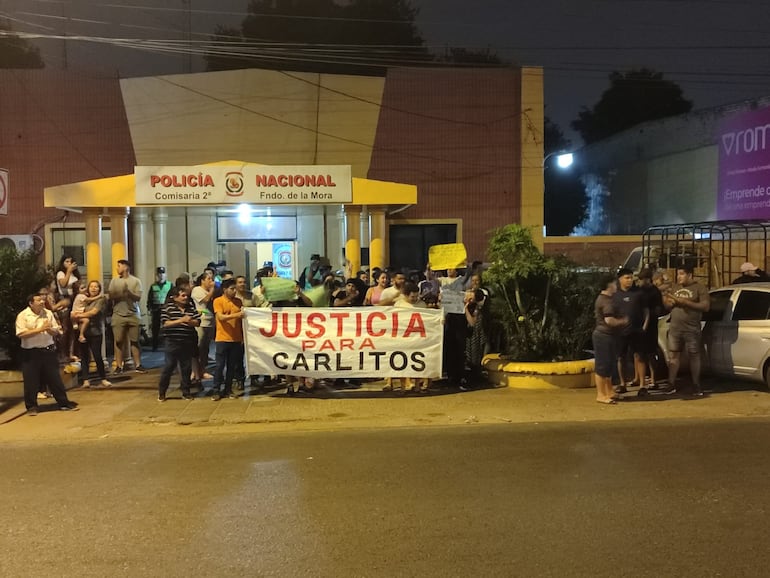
[(715, 249)]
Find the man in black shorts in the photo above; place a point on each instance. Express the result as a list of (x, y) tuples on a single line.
[(629, 302)]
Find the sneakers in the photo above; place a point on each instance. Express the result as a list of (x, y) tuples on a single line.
[(32, 411), (43, 395), (86, 384), (117, 370), (161, 398), (216, 397), (642, 392), (620, 389), (233, 396), (140, 369), (106, 383), (187, 396), (68, 407)]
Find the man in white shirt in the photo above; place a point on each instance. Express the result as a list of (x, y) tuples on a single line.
[(391, 294), (203, 296), (36, 327)]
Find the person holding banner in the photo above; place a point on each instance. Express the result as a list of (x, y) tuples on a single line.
[(228, 313), (411, 300)]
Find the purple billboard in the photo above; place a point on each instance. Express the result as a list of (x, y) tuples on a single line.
[(744, 166)]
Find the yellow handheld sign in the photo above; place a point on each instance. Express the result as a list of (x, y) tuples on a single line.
[(449, 256)]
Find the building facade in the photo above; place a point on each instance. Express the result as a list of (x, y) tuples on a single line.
[(468, 141)]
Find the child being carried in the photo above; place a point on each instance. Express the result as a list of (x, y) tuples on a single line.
[(78, 308)]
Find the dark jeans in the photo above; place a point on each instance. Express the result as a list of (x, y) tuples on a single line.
[(181, 353), (155, 327), (455, 330), (41, 366), (229, 357), (92, 346), (204, 344)]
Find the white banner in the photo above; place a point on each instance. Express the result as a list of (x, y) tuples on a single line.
[(247, 183), (344, 341)]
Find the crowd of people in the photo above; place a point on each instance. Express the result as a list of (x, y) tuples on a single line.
[(68, 322), (626, 332)]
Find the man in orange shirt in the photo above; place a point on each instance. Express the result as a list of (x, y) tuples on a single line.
[(228, 343)]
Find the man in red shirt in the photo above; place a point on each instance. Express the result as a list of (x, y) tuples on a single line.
[(228, 343)]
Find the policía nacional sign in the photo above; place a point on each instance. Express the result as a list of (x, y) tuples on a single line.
[(247, 183)]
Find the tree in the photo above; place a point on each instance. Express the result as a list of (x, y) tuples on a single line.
[(564, 197), (351, 37), (632, 98), (543, 306), (460, 55), (22, 276), (17, 52)]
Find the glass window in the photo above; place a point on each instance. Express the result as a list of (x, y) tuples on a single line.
[(720, 302), (752, 305)]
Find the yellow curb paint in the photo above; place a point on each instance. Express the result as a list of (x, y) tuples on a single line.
[(539, 375)]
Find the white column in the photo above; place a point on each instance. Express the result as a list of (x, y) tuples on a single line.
[(139, 264), (159, 220)]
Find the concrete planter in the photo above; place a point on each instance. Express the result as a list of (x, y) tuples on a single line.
[(545, 375)]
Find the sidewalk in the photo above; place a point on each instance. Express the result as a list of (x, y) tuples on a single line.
[(130, 407)]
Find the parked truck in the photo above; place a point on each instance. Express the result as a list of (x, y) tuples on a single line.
[(714, 249)]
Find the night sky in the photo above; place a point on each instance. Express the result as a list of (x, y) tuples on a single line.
[(717, 50)]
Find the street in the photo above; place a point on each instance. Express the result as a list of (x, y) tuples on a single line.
[(641, 498)]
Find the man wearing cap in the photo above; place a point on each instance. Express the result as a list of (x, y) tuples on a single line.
[(751, 274), (156, 297), (311, 275)]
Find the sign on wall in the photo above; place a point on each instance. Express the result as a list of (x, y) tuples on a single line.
[(744, 166), (248, 183), (344, 341)]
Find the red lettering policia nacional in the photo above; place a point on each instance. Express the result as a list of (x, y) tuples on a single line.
[(295, 181), (182, 181), (368, 324)]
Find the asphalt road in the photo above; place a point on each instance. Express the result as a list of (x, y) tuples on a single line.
[(593, 499)]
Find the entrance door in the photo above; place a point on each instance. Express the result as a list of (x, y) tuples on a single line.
[(409, 244)]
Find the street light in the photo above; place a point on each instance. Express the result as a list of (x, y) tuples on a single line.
[(564, 160)]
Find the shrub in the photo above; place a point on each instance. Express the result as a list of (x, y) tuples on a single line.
[(21, 275), (543, 306)]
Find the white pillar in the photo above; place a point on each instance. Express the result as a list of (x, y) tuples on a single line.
[(159, 220), (139, 264)]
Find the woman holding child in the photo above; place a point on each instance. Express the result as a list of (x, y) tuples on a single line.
[(90, 321)]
